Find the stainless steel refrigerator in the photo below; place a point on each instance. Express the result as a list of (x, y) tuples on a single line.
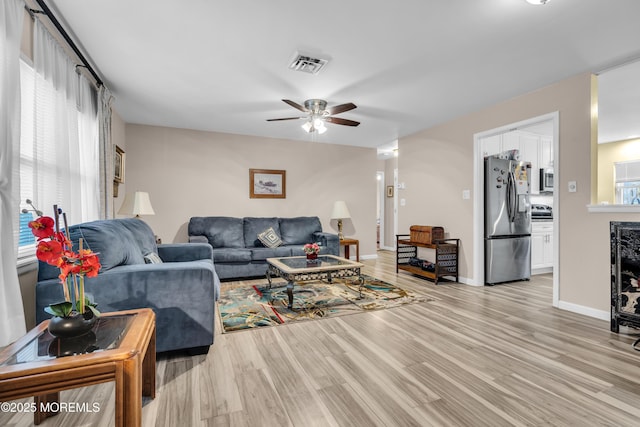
[(507, 220)]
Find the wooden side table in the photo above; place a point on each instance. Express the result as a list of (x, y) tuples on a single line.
[(122, 349), (347, 242)]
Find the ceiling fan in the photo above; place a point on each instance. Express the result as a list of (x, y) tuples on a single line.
[(318, 114)]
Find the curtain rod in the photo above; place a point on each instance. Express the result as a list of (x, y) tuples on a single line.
[(46, 11)]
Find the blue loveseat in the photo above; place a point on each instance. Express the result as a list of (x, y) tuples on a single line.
[(237, 250), (181, 289)]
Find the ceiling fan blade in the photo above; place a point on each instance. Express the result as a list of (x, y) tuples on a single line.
[(296, 105), (285, 118), (341, 108), (339, 121)]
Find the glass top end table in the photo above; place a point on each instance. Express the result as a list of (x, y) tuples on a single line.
[(106, 334)]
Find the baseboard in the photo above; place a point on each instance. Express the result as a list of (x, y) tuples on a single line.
[(542, 271), (374, 256), (388, 248), (587, 311)]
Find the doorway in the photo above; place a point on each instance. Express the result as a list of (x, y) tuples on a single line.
[(380, 202), (485, 144)]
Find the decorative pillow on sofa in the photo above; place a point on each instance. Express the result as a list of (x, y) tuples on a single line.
[(269, 238), (152, 258)]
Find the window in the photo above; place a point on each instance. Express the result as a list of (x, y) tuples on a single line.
[(58, 152), (627, 182), (26, 241)]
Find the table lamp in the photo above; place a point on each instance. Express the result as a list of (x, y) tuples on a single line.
[(340, 212), (136, 204)]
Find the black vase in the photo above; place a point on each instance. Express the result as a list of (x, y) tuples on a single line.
[(61, 347), (74, 325)]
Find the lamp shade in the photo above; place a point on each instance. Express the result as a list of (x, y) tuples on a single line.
[(340, 210), (136, 204)]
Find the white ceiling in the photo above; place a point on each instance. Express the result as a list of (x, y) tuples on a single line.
[(407, 64)]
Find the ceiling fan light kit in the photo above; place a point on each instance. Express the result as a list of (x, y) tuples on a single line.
[(318, 114)]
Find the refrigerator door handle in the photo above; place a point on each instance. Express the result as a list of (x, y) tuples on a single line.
[(511, 197)]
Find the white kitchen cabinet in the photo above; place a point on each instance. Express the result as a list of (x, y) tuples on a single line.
[(541, 246), (529, 152), (511, 141), (546, 152), (491, 145), (497, 144)]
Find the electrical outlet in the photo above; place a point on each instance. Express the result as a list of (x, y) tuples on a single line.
[(403, 202), (466, 194)]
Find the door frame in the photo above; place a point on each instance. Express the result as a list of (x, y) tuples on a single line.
[(478, 199), (381, 205)]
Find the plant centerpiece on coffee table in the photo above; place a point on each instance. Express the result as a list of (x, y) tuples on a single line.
[(76, 314), (312, 250)]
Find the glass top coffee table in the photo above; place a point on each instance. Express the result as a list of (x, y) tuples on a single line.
[(300, 269), (121, 347)]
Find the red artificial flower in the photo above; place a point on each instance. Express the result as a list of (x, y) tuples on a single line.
[(89, 263), (42, 227), (49, 252), (62, 238)]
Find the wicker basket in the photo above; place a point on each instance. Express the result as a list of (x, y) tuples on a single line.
[(425, 234)]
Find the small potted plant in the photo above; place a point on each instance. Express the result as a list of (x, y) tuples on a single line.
[(76, 314), (312, 250)]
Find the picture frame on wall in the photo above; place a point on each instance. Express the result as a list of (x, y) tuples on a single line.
[(267, 184), (118, 175), (389, 190)]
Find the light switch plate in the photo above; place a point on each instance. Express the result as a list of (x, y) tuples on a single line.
[(466, 194), (573, 187)]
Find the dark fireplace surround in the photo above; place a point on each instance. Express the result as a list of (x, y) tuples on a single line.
[(625, 274)]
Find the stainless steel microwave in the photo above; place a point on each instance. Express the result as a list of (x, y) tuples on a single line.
[(546, 180)]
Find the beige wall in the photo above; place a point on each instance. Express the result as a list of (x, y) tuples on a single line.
[(608, 154), (437, 164), (192, 173)]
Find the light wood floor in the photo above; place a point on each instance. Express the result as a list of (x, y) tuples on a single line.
[(476, 356)]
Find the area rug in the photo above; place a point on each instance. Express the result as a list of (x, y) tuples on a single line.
[(259, 305)]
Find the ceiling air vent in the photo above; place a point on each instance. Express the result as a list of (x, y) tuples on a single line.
[(307, 64)]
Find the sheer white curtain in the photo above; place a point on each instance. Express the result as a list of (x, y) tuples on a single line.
[(65, 134), (107, 150), (12, 322)]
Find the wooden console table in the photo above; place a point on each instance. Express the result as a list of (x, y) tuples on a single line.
[(445, 262), (121, 347), (346, 242)]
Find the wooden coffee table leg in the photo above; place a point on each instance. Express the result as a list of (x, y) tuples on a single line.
[(41, 402)]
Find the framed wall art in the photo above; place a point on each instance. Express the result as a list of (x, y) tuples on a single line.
[(118, 175), (267, 184)]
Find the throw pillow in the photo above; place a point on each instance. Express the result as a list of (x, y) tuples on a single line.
[(152, 258), (269, 238)]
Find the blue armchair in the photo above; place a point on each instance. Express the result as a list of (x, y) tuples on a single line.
[(181, 289)]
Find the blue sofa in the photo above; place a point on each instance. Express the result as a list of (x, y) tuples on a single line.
[(181, 290), (237, 251)]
